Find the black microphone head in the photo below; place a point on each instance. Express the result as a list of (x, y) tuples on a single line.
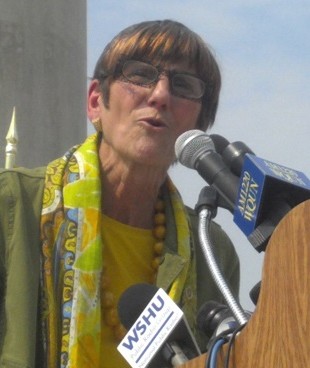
[(234, 154), (191, 145), (133, 301), (210, 315), (220, 142), (254, 293)]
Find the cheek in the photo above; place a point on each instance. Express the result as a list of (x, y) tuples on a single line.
[(188, 116), (127, 89), (121, 101), (128, 94)]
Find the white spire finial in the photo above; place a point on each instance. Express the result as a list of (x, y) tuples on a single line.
[(11, 147)]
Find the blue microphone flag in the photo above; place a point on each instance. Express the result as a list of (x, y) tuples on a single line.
[(261, 183)]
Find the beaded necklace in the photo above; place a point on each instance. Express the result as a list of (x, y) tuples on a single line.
[(108, 302)]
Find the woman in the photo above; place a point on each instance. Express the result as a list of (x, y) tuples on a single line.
[(111, 217)]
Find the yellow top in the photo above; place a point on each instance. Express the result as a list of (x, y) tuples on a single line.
[(128, 253)]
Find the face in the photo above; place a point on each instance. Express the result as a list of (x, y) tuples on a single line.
[(142, 123)]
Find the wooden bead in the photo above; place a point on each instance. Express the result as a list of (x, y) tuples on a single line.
[(160, 232), (159, 218), (158, 247), (119, 332), (111, 317), (153, 278), (160, 205), (155, 263), (107, 299), (105, 281)]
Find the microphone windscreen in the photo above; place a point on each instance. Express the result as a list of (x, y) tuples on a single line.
[(190, 145), (133, 301)]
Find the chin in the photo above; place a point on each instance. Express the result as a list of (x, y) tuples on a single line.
[(160, 159), (154, 152)]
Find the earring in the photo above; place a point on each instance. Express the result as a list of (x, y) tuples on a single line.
[(97, 124)]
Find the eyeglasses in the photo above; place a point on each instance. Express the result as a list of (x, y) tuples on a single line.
[(181, 84)]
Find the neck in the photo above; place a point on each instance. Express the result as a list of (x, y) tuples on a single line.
[(130, 191)]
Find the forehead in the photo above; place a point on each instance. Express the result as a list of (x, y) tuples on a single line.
[(180, 66)]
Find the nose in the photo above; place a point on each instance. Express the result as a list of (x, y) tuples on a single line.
[(160, 93)]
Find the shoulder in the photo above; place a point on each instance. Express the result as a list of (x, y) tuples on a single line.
[(21, 187), (23, 172), (21, 178)]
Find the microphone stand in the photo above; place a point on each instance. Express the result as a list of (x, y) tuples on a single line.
[(207, 209)]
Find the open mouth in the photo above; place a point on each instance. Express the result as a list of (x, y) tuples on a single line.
[(155, 123)]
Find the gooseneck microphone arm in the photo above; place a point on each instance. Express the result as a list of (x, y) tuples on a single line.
[(206, 213)]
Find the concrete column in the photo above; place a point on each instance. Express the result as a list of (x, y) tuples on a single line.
[(43, 74)]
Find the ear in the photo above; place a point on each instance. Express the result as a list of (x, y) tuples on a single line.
[(94, 100)]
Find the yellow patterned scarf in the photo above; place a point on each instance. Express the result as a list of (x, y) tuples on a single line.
[(72, 257)]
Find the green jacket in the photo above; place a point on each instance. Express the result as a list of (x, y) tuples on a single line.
[(21, 193)]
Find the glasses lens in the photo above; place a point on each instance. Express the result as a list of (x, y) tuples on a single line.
[(183, 85), (139, 73), (188, 86)]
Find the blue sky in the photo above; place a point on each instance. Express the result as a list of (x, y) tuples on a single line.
[(263, 49)]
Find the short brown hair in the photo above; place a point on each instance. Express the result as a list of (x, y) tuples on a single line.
[(160, 42)]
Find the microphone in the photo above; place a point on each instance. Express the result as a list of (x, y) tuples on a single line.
[(216, 321), (158, 335), (220, 143), (195, 150), (254, 293), (263, 195), (232, 153), (214, 318)]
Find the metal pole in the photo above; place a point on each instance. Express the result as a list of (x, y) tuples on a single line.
[(11, 147)]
